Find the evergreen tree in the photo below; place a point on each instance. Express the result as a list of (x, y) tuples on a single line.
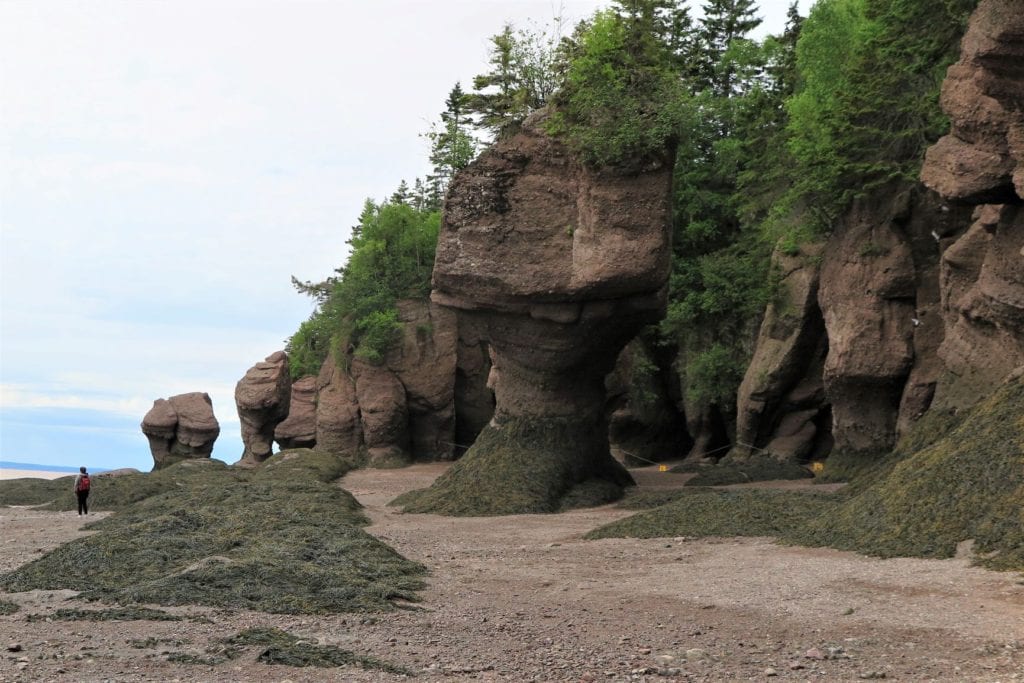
[(724, 22), (527, 67), (452, 147)]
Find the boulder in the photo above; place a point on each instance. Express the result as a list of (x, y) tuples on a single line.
[(180, 428), (298, 430), (263, 396)]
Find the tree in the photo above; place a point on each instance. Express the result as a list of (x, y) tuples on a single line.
[(526, 69), (452, 147), (724, 21)]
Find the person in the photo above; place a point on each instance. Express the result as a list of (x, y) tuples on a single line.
[(82, 486)]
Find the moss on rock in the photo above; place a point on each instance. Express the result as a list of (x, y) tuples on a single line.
[(919, 501), (969, 484), (526, 466)]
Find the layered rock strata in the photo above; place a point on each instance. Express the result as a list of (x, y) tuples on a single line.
[(263, 397), (981, 162), (180, 427), (558, 266)]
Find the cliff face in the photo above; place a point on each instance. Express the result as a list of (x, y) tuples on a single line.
[(920, 287)]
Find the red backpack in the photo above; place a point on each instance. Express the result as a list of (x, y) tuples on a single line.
[(83, 483)]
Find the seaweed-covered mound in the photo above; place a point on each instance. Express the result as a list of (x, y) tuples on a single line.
[(756, 468), (281, 538), (921, 501), (520, 467), (711, 512), (969, 484)]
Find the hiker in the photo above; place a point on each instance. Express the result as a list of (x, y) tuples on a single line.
[(82, 484)]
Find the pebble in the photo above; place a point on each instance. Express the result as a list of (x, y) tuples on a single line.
[(872, 675), (770, 672), (14, 647), (814, 653), (695, 653)]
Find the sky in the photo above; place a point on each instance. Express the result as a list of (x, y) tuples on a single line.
[(167, 166)]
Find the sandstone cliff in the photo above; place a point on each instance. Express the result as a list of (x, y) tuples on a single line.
[(557, 266), (920, 289)]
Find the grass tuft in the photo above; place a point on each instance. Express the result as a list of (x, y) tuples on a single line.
[(8, 607), (282, 538)]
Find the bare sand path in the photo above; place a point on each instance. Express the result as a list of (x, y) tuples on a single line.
[(524, 598)]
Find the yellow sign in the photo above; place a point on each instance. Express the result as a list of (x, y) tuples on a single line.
[(817, 467), (663, 468)]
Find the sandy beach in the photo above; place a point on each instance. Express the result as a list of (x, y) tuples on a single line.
[(10, 473)]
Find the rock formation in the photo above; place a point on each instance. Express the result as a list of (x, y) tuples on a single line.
[(922, 300), (645, 425), (781, 407), (263, 397), (558, 266), (298, 430), (386, 415), (981, 162), (339, 430), (180, 427)]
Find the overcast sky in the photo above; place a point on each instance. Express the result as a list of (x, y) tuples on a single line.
[(165, 167)]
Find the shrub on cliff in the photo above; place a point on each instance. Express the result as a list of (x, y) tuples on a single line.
[(621, 101), (392, 258)]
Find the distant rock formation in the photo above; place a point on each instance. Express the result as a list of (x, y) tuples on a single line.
[(298, 430), (386, 415), (180, 428), (557, 265), (263, 398)]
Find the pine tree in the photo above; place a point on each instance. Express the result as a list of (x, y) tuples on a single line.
[(451, 145), (724, 21)]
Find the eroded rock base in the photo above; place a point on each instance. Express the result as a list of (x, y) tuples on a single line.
[(525, 466)]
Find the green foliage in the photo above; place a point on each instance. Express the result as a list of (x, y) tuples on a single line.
[(867, 107), (8, 607), (281, 538), (392, 258), (622, 101), (452, 147), (526, 68)]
